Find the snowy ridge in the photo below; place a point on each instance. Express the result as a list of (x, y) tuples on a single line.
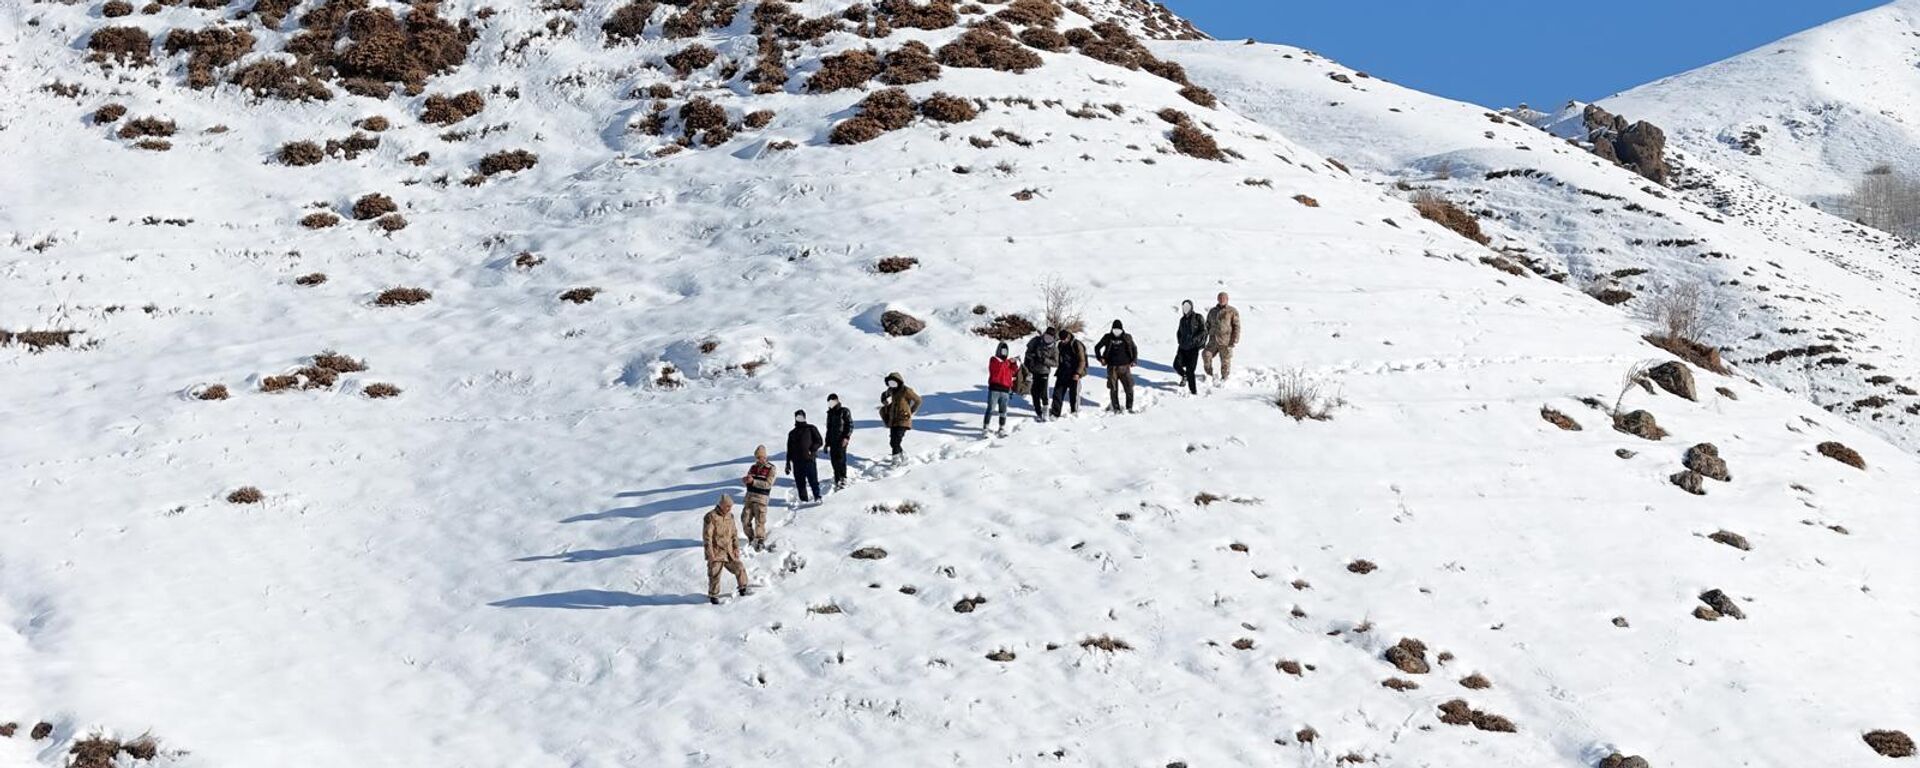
[(1808, 114), (1814, 304), (500, 565)]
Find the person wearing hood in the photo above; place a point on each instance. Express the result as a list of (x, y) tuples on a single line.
[(1043, 355), (1223, 334), (1071, 368), (839, 436), (1001, 371), (1192, 336), (897, 406), (1118, 353), (721, 541), (803, 449), (759, 482)]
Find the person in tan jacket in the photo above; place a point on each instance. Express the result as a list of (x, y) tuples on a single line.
[(897, 406), (759, 482), (1223, 334), (722, 544)]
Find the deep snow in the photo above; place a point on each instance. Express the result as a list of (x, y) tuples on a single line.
[(500, 566)]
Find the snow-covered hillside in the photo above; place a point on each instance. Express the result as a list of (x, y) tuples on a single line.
[(1807, 115), (499, 564), (1810, 303)]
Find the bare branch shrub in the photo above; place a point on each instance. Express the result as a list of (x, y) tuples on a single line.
[(1064, 304), (1301, 397)]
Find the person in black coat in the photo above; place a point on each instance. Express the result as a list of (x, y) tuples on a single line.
[(1067, 374), (1192, 336), (839, 436), (803, 445), (1043, 355), (1118, 353)]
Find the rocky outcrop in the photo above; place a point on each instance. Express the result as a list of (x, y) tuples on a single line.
[(1640, 146)]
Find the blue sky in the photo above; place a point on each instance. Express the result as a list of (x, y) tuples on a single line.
[(1503, 52)]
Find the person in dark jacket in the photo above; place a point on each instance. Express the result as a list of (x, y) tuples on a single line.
[(803, 448), (1067, 374), (839, 436), (1043, 355), (1118, 353), (897, 406), (1192, 336), (1001, 370)]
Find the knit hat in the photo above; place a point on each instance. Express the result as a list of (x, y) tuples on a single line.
[(1116, 325)]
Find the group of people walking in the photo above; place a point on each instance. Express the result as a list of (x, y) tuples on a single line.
[(1049, 372)]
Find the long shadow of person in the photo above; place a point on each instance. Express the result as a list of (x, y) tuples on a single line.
[(590, 555), (598, 599)]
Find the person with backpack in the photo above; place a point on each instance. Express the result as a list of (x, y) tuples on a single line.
[(759, 482), (1001, 371), (1223, 334), (721, 542), (1191, 336), (839, 436), (803, 449), (1067, 374), (897, 406), (1118, 353), (1043, 355)]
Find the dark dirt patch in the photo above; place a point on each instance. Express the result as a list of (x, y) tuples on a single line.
[(1889, 743), (245, 495), (869, 553), (1559, 419), (1841, 453), (1106, 643)]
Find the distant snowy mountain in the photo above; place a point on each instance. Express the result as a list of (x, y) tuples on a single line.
[(1807, 115), (368, 369)]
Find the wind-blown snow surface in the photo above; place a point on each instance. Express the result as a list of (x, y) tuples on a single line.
[(500, 566), (1811, 303), (1808, 114)]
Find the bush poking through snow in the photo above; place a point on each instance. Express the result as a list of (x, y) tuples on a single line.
[(1193, 142), (300, 153), (909, 64), (847, 69), (1200, 96), (126, 45), (279, 383), (108, 113), (757, 119), (440, 109), (391, 223), (1842, 454), (507, 161), (1301, 397), (1409, 656), (1362, 567), (980, 49), (373, 206), (1301, 199), (38, 341), (1889, 743), (310, 279), (1731, 539), (1399, 684), (1063, 304), (380, 391), (1476, 682), (211, 392), (99, 751), (691, 58), (579, 295), (1002, 655), (319, 220), (1559, 419), (893, 265), (1106, 643), (1685, 317), (146, 126), (1617, 760), (1439, 210), (1045, 39), (948, 108), (400, 297), (869, 553), (1007, 328), (628, 23), (245, 495), (1458, 712)]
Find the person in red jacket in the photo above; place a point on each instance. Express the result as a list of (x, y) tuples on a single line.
[(1000, 373)]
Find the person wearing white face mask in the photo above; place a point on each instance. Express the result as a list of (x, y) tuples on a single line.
[(1192, 336), (1118, 353), (839, 436), (897, 406), (803, 447)]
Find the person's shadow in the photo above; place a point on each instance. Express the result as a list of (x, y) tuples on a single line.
[(590, 555), (598, 599)]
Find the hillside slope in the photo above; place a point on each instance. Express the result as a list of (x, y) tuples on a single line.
[(1808, 302), (1808, 114), (499, 565)]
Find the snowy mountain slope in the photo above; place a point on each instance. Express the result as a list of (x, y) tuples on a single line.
[(1812, 304), (500, 565), (1807, 115)]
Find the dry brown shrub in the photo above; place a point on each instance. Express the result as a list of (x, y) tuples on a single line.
[(895, 264), (400, 297), (153, 145), (980, 49), (1362, 567), (246, 494), (391, 222), (1044, 13), (1007, 328), (38, 341), (892, 108), (440, 109), (1841, 453), (909, 64), (1559, 419), (338, 363), (319, 220), (1044, 38), (758, 118), (1200, 96), (628, 23), (147, 126), (1440, 210), (272, 12), (1306, 200), (1193, 142), (375, 123), (127, 45), (690, 58), (310, 279), (938, 14), (385, 48), (299, 153), (114, 9), (579, 295), (1110, 43), (1889, 743), (108, 113), (507, 161), (1174, 116), (686, 23), (373, 206), (212, 392), (847, 69), (948, 108), (1476, 681), (351, 146), (1106, 643), (380, 391), (701, 114), (276, 79), (208, 49)]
